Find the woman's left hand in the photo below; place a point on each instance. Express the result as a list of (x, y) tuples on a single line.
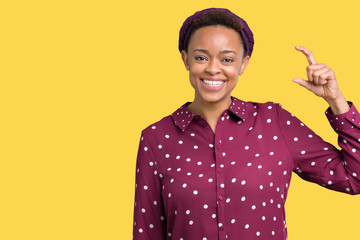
[(322, 82)]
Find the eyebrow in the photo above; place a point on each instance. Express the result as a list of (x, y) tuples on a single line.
[(206, 51)]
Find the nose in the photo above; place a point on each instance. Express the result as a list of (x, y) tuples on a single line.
[(213, 67)]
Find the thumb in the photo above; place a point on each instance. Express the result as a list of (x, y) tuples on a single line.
[(303, 83)]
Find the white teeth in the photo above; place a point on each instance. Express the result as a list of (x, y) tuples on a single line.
[(213, 83)]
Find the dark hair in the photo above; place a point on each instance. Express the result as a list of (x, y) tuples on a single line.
[(216, 18)]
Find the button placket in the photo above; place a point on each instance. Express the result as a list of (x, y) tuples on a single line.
[(219, 160)]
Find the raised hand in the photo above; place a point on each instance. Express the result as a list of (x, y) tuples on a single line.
[(322, 82)]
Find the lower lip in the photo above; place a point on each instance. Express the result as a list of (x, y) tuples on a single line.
[(212, 88)]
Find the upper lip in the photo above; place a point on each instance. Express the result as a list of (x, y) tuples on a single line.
[(212, 79)]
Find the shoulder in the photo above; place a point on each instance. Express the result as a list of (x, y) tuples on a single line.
[(158, 127)]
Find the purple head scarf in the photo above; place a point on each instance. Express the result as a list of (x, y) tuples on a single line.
[(245, 32)]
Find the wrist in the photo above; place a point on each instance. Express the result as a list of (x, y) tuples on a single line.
[(338, 105)]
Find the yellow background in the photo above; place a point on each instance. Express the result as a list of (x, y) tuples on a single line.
[(81, 79)]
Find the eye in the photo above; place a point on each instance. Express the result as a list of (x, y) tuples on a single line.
[(200, 58), (228, 60)]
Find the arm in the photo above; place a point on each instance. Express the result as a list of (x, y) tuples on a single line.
[(149, 217), (320, 162), (316, 160)]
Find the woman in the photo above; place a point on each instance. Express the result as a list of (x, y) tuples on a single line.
[(220, 167)]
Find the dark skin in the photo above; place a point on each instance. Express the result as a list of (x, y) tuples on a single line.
[(215, 53)]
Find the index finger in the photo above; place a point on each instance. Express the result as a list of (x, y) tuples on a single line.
[(310, 57)]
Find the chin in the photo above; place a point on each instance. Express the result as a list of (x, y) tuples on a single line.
[(213, 98)]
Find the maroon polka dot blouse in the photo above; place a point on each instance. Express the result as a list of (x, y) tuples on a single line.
[(192, 184)]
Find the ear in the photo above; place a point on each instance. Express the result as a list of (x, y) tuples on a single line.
[(185, 59), (244, 64)]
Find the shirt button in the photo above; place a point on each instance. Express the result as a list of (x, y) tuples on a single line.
[(222, 228), (219, 170), (221, 198)]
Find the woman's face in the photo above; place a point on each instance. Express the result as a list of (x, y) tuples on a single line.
[(214, 61)]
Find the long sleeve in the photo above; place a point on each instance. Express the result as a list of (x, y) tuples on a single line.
[(320, 162), (149, 218)]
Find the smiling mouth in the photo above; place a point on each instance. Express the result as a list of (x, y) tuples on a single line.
[(212, 83)]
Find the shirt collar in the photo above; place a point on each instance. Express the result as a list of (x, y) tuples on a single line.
[(182, 117)]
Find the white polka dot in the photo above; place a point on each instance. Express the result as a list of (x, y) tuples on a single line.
[(167, 136), (269, 173), (275, 137), (199, 163), (259, 167), (257, 233), (331, 172), (184, 185), (271, 153), (145, 187), (268, 121), (232, 220), (187, 212), (253, 207), (329, 182), (213, 216), (312, 163), (288, 122), (296, 139), (160, 146), (280, 162), (233, 180), (195, 192), (263, 218), (256, 155), (153, 127), (285, 172), (260, 136), (145, 148), (310, 136), (274, 218), (303, 152), (273, 232), (231, 138), (143, 210), (247, 226), (243, 182), (243, 198), (155, 202), (269, 107), (151, 226), (210, 145), (169, 195), (223, 154), (167, 155), (210, 180), (188, 159), (227, 200), (196, 147), (261, 187), (140, 230), (246, 147), (353, 150), (191, 222), (180, 142), (249, 164), (354, 174), (206, 206), (222, 185)]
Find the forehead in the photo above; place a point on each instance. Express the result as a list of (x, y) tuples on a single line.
[(216, 37)]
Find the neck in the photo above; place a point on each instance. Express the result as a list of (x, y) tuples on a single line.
[(210, 111)]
